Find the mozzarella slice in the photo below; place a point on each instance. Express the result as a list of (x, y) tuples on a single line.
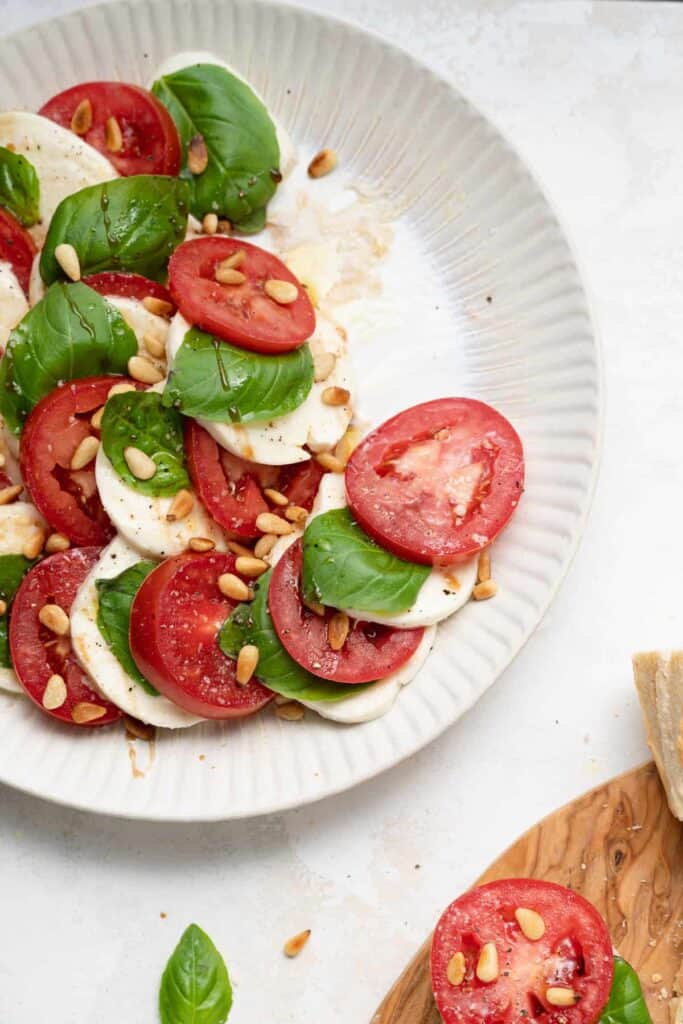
[(280, 442), (98, 660), (36, 285), (19, 523), (141, 519), (13, 304), (140, 320), (9, 682), (63, 162)]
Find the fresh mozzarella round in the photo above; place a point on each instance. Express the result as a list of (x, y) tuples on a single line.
[(141, 518), (280, 442), (99, 661), (63, 162), (9, 682), (379, 697), (13, 304), (140, 320), (36, 285), (19, 523)]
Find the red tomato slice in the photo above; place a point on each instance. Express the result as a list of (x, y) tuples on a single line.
[(370, 652), (239, 313), (300, 482), (174, 625), (438, 482), (126, 285), (150, 137), (37, 653), (16, 248), (67, 498), (575, 952)]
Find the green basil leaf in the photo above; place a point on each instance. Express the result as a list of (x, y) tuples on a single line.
[(19, 187), (250, 623), (72, 332), (626, 1004), (13, 568), (214, 380), (138, 419), (195, 986), (241, 142), (251, 225), (126, 224), (115, 597), (344, 568)]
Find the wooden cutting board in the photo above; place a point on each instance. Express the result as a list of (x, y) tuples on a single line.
[(621, 848)]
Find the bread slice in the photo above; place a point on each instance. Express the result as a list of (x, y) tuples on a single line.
[(659, 681)]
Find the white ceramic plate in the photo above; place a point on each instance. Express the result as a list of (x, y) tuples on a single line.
[(502, 316)]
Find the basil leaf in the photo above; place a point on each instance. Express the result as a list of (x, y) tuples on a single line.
[(19, 187), (214, 380), (72, 332), (126, 224), (250, 623), (113, 616), (138, 419), (344, 568), (13, 568), (240, 138), (195, 986), (626, 1004), (252, 224)]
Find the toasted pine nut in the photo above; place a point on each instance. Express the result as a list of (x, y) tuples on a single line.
[(239, 549), (96, 418), (85, 712), (3, 460), (201, 544), (337, 630), (247, 660), (181, 506), (268, 522), (264, 545), (8, 494), (282, 292), (67, 257), (3, 607), (137, 730), (484, 567), (55, 619), (81, 120), (141, 369), (57, 542), (197, 155), (226, 275), (54, 693), (113, 135), (293, 946), (154, 345), (291, 712), (210, 224), (531, 923), (483, 591), (85, 452), (348, 444), (233, 587), (276, 497), (455, 972), (314, 606), (34, 546), (561, 996), (487, 965), (235, 260), (121, 389), (322, 163), (296, 514), (140, 464), (330, 462), (250, 566), (336, 396), (323, 365), (224, 226), (160, 307)]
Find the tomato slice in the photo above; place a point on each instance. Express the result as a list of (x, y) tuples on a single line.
[(239, 313), (150, 142), (437, 483), (127, 285), (575, 952), (16, 248), (370, 651), (300, 482), (67, 498), (174, 624), (37, 653)]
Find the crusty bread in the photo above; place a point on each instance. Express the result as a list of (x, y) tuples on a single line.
[(659, 681)]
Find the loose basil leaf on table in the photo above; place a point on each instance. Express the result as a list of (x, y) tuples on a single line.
[(250, 623), (195, 986), (13, 568), (243, 152), (214, 380), (71, 333), (19, 187), (115, 597), (130, 223), (138, 419), (344, 568), (626, 1004)]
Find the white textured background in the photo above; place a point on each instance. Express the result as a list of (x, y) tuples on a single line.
[(591, 96)]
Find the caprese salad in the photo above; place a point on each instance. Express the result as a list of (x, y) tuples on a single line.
[(192, 524), (523, 951)]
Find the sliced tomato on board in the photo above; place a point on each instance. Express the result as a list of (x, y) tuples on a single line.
[(573, 953), (438, 482), (126, 285), (370, 651), (38, 653), (16, 248), (67, 498), (149, 137), (174, 625), (239, 313)]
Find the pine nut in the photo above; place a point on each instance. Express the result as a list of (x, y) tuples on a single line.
[(531, 923), (55, 619), (113, 136), (210, 224), (96, 418), (487, 965), (483, 591), (233, 261), (224, 226), (268, 522), (282, 292), (81, 120), (314, 606), (197, 155), (561, 996), (85, 452), (250, 566), (121, 389), (34, 546), (233, 587), (336, 396), (84, 712), (181, 506), (67, 257), (57, 542), (276, 497), (296, 514), (484, 567), (201, 544), (3, 460), (291, 712), (8, 494), (226, 275), (247, 660), (293, 946), (265, 544), (154, 345), (160, 307), (330, 462), (54, 693), (3, 607), (338, 630), (239, 549), (455, 972), (323, 365), (141, 369), (348, 444), (140, 464), (322, 163)]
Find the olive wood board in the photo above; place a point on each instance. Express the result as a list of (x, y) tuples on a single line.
[(622, 849)]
